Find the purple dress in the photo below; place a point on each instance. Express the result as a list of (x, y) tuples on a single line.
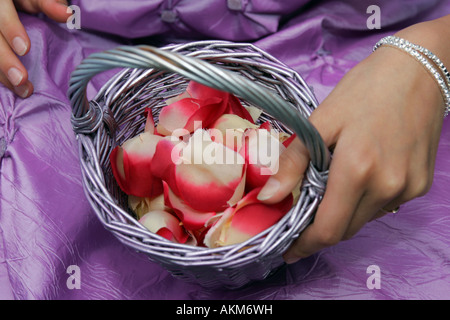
[(47, 225)]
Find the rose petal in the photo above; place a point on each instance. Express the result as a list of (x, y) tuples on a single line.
[(210, 110), (141, 206), (176, 115), (246, 220), (202, 92), (131, 166), (252, 197), (181, 96), (215, 236), (262, 151), (187, 112), (266, 125), (239, 191), (283, 137), (229, 129), (254, 112), (254, 178), (250, 221), (232, 121), (287, 139), (167, 155), (209, 174), (164, 224), (233, 105), (192, 219)]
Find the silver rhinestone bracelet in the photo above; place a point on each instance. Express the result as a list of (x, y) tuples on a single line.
[(422, 55)]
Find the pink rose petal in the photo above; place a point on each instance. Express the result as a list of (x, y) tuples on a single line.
[(233, 105), (131, 166), (141, 206), (209, 175), (164, 224), (192, 219), (230, 129), (266, 125), (176, 115), (249, 218), (261, 152), (181, 96), (200, 91), (185, 113), (167, 155), (287, 141)]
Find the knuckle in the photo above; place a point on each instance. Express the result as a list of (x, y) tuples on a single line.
[(328, 238), (421, 186), (426, 187), (362, 167), (393, 183)]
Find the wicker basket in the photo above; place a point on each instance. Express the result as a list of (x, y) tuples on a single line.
[(150, 76)]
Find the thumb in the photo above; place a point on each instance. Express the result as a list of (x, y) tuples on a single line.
[(291, 167), (294, 161)]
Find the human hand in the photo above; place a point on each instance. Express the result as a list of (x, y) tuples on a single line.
[(15, 42), (383, 122)]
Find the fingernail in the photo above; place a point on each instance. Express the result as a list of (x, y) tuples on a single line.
[(63, 2), (270, 188), (19, 45), (22, 91), (15, 76)]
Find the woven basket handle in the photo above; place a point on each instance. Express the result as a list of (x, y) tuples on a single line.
[(147, 57)]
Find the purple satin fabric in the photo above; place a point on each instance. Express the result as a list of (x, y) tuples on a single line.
[(46, 223)]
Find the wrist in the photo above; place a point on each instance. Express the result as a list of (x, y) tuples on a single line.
[(428, 44), (411, 81), (433, 35), (428, 60)]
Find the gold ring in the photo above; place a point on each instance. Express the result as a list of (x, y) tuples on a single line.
[(397, 209)]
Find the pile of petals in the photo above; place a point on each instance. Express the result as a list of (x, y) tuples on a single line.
[(194, 177)]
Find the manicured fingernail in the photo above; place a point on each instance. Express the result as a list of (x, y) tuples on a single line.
[(64, 4), (270, 188), (22, 91), (19, 45), (15, 76)]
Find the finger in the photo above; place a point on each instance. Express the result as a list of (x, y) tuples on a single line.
[(291, 167), (367, 210), (385, 211), (55, 10), (420, 175), (295, 159), (12, 29), (417, 181), (335, 211), (378, 215), (24, 90), (13, 73), (388, 184)]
